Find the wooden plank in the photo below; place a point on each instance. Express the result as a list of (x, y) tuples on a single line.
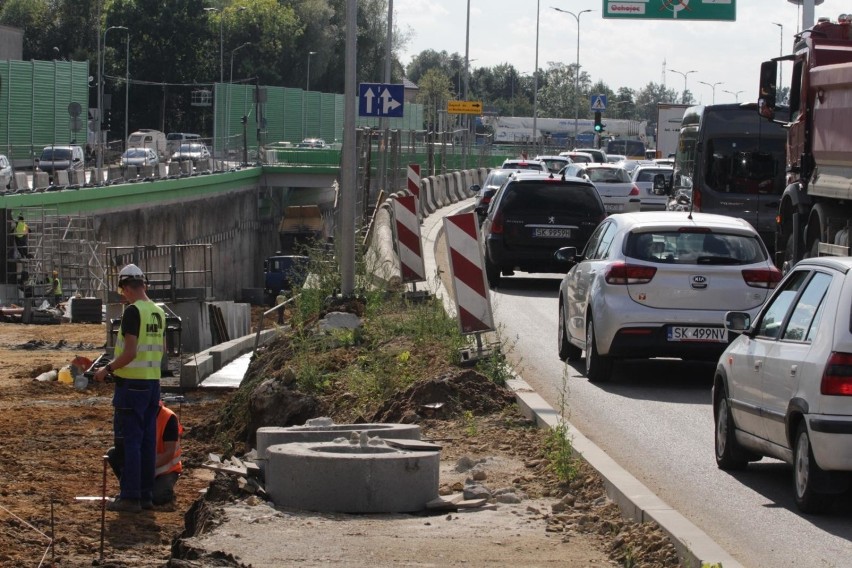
[(412, 445)]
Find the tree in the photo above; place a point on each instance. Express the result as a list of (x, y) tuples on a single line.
[(435, 90)]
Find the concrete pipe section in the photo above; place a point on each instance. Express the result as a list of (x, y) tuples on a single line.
[(357, 475), (325, 430)]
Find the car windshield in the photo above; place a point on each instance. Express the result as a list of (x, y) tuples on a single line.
[(687, 247), (135, 153), (56, 154), (496, 178), (648, 175), (550, 196), (607, 175), (190, 147), (518, 165)]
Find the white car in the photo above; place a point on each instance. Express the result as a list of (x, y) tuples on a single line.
[(783, 388), (617, 190), (598, 155), (554, 163), (652, 198), (6, 172), (578, 157), (658, 284), (524, 164)]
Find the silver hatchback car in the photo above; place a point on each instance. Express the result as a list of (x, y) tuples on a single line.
[(783, 387), (658, 284)]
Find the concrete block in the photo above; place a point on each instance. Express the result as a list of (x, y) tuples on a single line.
[(60, 177), (186, 167), (115, 173), (77, 177), (147, 171), (94, 176), (202, 166), (174, 168), (272, 435), (162, 170), (40, 180), (20, 181), (226, 352), (196, 370)]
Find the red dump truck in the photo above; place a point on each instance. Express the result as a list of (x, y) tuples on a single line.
[(815, 210)]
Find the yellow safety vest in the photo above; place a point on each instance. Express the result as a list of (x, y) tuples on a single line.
[(21, 229), (149, 347), (57, 289)]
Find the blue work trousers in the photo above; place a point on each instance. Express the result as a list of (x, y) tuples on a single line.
[(136, 402)]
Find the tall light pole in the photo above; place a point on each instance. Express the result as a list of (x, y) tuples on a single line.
[(308, 84), (713, 88), (126, 87), (577, 71), (535, 75), (736, 94), (230, 84), (684, 75), (780, 54), (221, 44), (102, 64)]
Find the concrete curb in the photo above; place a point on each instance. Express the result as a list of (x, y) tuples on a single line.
[(207, 362), (636, 501)]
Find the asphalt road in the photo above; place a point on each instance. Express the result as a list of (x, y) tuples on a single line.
[(655, 419)]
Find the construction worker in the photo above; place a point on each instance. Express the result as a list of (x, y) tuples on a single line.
[(22, 231), (139, 349), (56, 288), (168, 465)]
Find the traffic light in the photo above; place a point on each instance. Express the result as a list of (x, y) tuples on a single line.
[(598, 124)]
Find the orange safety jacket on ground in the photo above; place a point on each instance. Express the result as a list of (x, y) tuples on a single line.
[(173, 464)]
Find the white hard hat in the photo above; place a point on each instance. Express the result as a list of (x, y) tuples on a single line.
[(130, 272)]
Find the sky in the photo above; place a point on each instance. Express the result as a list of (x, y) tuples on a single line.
[(619, 52)]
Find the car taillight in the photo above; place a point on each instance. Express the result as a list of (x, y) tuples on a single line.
[(621, 273), (634, 190), (762, 277), (837, 377), (497, 223), (696, 199)]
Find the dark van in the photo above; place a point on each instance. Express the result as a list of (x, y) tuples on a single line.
[(532, 216), (735, 162)]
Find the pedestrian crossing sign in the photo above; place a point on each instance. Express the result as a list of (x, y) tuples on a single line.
[(598, 102)]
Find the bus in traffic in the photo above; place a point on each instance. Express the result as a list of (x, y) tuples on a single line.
[(734, 162)]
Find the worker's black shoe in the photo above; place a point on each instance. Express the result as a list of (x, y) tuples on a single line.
[(120, 505)]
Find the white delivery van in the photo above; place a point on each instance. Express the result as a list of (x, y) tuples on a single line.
[(147, 138)]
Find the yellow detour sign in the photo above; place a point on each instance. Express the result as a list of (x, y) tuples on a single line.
[(464, 107)]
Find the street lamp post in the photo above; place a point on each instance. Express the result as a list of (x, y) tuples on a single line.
[(308, 83), (736, 94), (576, 71), (535, 75), (713, 88), (780, 54), (126, 87), (230, 85), (684, 75), (101, 65)]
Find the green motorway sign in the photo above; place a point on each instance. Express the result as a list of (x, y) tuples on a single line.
[(724, 10)]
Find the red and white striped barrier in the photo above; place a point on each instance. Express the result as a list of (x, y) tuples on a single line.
[(473, 301), (409, 243), (414, 180)]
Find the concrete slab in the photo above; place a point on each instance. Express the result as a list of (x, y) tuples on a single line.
[(230, 376)]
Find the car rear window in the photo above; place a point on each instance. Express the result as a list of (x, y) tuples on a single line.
[(687, 247), (648, 175), (57, 154), (495, 179), (608, 175), (581, 199)]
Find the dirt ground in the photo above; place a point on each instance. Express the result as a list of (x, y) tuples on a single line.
[(54, 437)]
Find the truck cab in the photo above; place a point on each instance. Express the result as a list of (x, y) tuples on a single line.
[(283, 272)]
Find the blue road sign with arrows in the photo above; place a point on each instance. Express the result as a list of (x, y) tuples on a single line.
[(379, 99)]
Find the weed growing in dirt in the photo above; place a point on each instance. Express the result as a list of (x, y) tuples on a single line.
[(469, 423), (559, 450)]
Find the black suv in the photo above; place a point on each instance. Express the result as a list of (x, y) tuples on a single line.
[(531, 217)]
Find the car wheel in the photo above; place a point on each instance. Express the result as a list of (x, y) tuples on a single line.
[(598, 367), (729, 454), (567, 351), (806, 474), (492, 273)]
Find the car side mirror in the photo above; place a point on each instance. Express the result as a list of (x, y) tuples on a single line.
[(474, 188), (662, 186), (737, 321), (566, 255)]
